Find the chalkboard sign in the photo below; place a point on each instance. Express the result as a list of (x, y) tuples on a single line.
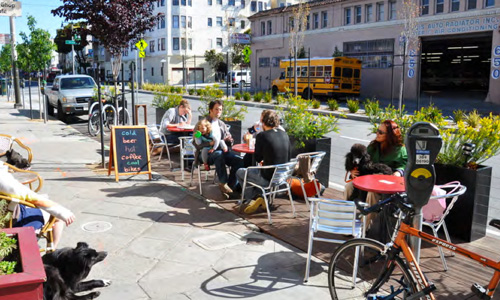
[(128, 153)]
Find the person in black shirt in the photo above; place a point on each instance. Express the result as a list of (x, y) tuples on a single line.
[(272, 147)]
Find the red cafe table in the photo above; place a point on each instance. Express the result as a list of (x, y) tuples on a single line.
[(180, 129), (382, 184), (242, 148)]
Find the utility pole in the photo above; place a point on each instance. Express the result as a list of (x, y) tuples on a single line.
[(15, 71), (72, 50)]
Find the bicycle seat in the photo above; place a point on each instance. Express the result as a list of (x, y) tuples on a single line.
[(495, 223)]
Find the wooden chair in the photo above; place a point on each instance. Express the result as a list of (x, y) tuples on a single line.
[(26, 177), (8, 142)]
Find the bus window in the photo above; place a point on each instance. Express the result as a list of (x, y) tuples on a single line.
[(338, 72), (312, 71), (328, 71), (303, 73), (319, 71), (357, 73), (347, 72), (289, 72), (282, 75), (298, 71)]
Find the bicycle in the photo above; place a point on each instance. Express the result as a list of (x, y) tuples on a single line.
[(363, 268), (109, 116)]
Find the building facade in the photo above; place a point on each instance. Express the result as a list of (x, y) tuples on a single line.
[(458, 49)]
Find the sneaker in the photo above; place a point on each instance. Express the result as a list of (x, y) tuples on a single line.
[(224, 188), (207, 167), (254, 205)]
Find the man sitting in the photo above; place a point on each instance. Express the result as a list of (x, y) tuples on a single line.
[(176, 116)]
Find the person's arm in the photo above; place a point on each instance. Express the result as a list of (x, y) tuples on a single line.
[(400, 161), (259, 147), (168, 118), (226, 135), (189, 115)]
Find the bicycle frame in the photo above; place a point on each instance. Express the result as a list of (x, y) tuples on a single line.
[(401, 244)]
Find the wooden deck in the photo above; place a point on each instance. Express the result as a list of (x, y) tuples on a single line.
[(452, 284)]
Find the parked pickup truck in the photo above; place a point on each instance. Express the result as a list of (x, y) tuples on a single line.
[(70, 94)]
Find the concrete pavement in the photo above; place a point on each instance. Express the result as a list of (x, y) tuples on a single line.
[(164, 242)]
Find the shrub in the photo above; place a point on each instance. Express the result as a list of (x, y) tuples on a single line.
[(458, 115), (230, 111), (257, 97), (191, 91), (473, 119), (7, 245), (333, 104), (268, 97), (166, 101), (178, 90), (316, 104), (247, 96), (200, 92), (372, 107), (352, 105), (237, 95), (280, 99)]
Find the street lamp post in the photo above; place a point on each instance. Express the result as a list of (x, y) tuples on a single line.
[(163, 61)]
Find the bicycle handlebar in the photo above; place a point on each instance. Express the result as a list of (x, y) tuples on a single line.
[(401, 201)]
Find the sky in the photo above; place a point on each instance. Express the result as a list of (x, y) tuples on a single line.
[(38, 9)]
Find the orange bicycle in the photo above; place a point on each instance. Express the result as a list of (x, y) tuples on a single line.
[(363, 268)]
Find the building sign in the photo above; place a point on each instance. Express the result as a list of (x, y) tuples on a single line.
[(240, 38), (10, 8), (4, 38), (459, 26), (495, 73)]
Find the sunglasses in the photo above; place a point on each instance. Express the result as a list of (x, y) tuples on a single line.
[(380, 132)]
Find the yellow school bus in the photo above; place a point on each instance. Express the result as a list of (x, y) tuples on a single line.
[(328, 76)]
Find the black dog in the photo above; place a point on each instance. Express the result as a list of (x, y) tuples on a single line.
[(15, 159), (66, 268), (359, 159)]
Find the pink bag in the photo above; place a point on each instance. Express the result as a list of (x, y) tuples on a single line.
[(434, 209)]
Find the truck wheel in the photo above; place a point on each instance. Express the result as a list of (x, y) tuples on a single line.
[(50, 108), (60, 114), (275, 91)]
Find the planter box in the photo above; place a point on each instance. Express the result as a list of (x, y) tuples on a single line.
[(27, 284), (468, 218), (322, 144), (159, 114)]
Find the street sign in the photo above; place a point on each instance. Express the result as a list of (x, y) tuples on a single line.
[(4, 38), (246, 53), (141, 45), (70, 42), (240, 38), (142, 54), (10, 8)]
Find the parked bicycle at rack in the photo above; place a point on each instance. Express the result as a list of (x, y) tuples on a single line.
[(109, 116)]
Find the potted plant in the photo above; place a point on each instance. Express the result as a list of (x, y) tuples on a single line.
[(163, 101), (307, 132), (231, 114)]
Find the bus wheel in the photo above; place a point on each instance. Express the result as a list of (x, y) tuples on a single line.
[(305, 94), (275, 91)]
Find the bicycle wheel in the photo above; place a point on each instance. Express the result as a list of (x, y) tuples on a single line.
[(109, 116), (121, 119), (93, 124), (360, 261)]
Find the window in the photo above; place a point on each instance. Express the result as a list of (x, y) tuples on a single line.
[(231, 22), (162, 22), (260, 5), (308, 22), (328, 71), (290, 23), (276, 61), (455, 5), (161, 71), (210, 2), (183, 2), (315, 21), (347, 16), (219, 21), (324, 19), (209, 22), (190, 22), (369, 13), (152, 71), (319, 71), (183, 21), (375, 54), (489, 3), (264, 61), (471, 4), (242, 3), (231, 2), (425, 7), (210, 44), (175, 2), (190, 2), (219, 2), (357, 10), (253, 6), (175, 21), (269, 27), (175, 44), (162, 44), (152, 46), (392, 10), (380, 12), (219, 42), (262, 28), (190, 44), (183, 43), (242, 24), (439, 6), (159, 44)]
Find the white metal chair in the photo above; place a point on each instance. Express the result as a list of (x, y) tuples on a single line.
[(332, 216), (282, 173), (158, 140), (454, 190), (187, 151), (316, 159)]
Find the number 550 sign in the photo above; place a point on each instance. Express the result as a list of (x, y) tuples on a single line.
[(496, 63)]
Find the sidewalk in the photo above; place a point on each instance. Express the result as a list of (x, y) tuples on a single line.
[(164, 241)]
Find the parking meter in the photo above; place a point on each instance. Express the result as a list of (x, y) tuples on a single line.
[(423, 143)]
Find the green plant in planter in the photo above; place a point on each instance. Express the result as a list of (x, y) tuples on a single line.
[(7, 244), (200, 92), (372, 107), (280, 99), (391, 113), (191, 91), (166, 101), (473, 118), (458, 115), (257, 97), (302, 124), (230, 112), (268, 97), (352, 105), (237, 95), (333, 104), (247, 96), (316, 104)]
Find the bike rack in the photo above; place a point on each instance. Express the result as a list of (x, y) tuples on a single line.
[(137, 106)]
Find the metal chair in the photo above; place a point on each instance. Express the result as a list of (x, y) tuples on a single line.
[(316, 159), (282, 173), (332, 216), (158, 140), (454, 190), (187, 151)]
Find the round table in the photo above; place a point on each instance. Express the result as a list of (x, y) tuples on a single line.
[(180, 129), (382, 184), (243, 148)]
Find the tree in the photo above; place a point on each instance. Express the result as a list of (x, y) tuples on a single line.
[(216, 61), (297, 25), (5, 59), (77, 32), (113, 22), (337, 52)]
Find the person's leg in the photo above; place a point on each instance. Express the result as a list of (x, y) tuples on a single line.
[(204, 158), (173, 138), (248, 160), (348, 190), (217, 159), (235, 162), (57, 230), (371, 199)]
